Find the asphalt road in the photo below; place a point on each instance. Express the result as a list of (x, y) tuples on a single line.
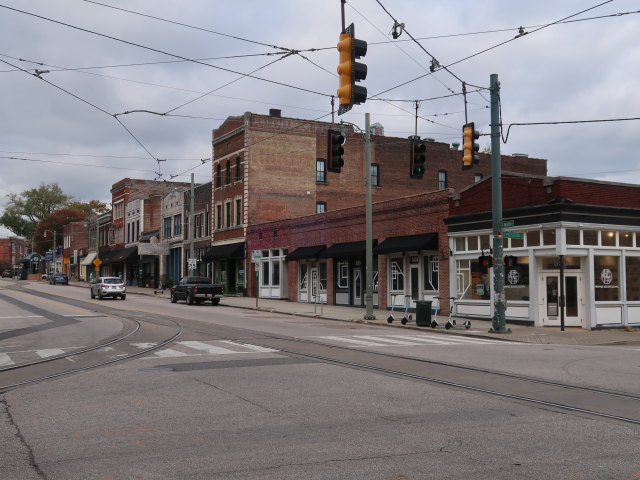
[(251, 395)]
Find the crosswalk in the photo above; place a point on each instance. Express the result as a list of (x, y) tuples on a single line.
[(361, 341), (195, 348), (24, 356)]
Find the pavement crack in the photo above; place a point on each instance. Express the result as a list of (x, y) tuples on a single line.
[(262, 407), (18, 434)]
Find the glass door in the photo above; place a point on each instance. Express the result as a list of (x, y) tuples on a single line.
[(414, 283), (357, 286), (552, 307)]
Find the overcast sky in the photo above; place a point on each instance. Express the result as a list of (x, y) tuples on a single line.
[(102, 61)]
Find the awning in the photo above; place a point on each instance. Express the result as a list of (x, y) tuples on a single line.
[(88, 260), (348, 249), (228, 250), (305, 252), (425, 241), (129, 254)]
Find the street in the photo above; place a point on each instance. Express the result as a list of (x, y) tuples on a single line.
[(256, 395)]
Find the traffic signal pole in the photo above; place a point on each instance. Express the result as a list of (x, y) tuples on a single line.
[(368, 297), (499, 301)]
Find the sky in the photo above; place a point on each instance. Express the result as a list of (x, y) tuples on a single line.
[(71, 69)]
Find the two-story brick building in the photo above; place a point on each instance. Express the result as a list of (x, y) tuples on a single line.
[(12, 249), (268, 168)]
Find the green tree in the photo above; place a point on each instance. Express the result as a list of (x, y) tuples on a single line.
[(25, 210), (92, 206), (51, 226)]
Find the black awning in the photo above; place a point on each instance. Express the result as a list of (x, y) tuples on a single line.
[(348, 249), (129, 254), (305, 252), (229, 250), (425, 241)]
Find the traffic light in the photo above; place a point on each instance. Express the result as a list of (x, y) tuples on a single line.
[(417, 157), (335, 140), (485, 261), (351, 71), (469, 147)]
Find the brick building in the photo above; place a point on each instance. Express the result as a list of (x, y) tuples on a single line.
[(578, 262), (12, 249), (74, 248), (268, 168)]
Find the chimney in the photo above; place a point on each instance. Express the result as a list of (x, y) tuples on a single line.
[(275, 112)]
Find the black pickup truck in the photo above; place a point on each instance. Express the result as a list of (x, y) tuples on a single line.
[(196, 290)]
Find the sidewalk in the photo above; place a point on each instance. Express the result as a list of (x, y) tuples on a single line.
[(479, 328)]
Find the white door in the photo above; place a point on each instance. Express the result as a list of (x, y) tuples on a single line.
[(551, 302)]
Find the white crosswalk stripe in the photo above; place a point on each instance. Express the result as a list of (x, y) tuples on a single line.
[(49, 352), (195, 348), (5, 360), (356, 341)]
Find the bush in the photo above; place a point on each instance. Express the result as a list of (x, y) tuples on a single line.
[(166, 281)]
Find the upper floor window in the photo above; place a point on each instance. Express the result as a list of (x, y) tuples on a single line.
[(321, 170), (238, 211), (238, 169), (219, 216), (167, 227), (227, 178), (218, 176), (442, 179), (477, 177), (321, 207), (375, 175)]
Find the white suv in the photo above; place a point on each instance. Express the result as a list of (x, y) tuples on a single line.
[(108, 287)]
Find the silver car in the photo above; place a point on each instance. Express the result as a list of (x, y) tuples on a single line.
[(108, 287)]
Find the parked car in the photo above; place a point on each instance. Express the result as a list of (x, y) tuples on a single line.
[(7, 274), (108, 287), (196, 290), (45, 276), (60, 278)]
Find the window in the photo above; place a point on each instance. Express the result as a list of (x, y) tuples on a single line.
[(626, 239), (198, 225), (397, 274), (472, 281), (608, 239), (375, 175), (342, 274), (573, 237), (219, 216), (606, 275), (227, 177), (321, 207), (303, 276), (238, 169), (265, 274), (461, 244), (177, 224), (548, 237), (472, 243), (118, 210), (321, 170), (167, 227), (227, 211), (633, 278), (516, 280), (238, 211), (590, 237), (430, 268), (218, 176), (442, 179), (477, 177), (533, 239)]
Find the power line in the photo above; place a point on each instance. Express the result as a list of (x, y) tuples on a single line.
[(568, 122)]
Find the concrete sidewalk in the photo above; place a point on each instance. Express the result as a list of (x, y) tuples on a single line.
[(479, 328)]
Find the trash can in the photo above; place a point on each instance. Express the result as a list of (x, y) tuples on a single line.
[(423, 313)]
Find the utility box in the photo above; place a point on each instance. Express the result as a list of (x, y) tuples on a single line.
[(423, 313)]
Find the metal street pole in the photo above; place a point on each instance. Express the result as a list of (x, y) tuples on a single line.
[(192, 229), (498, 323), (368, 220)]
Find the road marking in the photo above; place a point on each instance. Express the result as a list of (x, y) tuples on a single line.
[(205, 347), (202, 348), (49, 352), (451, 338), (408, 340), (170, 352), (5, 360), (143, 346), (353, 340), (22, 316), (255, 348)]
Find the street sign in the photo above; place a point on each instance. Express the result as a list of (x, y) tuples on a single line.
[(519, 235), (257, 256), (192, 263), (97, 262), (508, 223)]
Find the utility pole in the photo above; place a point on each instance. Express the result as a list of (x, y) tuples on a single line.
[(498, 323), (192, 230), (368, 220)]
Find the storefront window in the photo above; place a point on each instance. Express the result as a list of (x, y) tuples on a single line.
[(573, 237), (472, 281), (553, 263), (626, 239), (485, 242), (430, 270), (303, 276), (548, 237), (609, 239), (590, 237), (533, 239), (517, 242), (342, 272), (606, 274), (633, 278), (461, 244), (516, 285), (275, 273), (323, 276), (472, 243), (265, 274), (397, 275)]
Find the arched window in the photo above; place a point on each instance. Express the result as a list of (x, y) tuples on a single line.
[(218, 176)]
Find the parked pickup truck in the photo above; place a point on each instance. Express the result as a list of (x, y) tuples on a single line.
[(196, 290)]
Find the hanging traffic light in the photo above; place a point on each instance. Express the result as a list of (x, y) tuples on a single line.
[(335, 140), (417, 157), (351, 71), (469, 147)]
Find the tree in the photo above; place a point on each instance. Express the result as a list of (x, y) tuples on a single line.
[(26, 209), (43, 235), (92, 206)]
